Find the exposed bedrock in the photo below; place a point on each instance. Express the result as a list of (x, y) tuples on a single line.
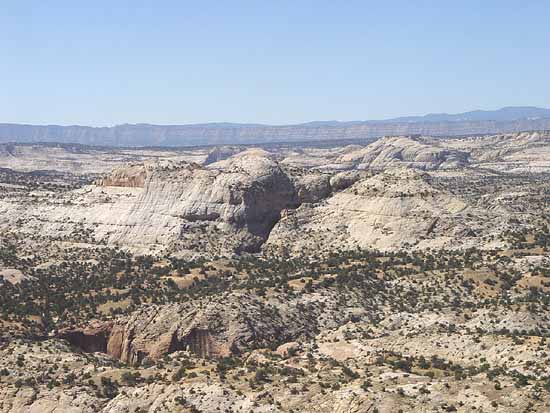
[(91, 339), (221, 326)]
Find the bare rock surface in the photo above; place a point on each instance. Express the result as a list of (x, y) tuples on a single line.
[(226, 326), (14, 276), (405, 151), (385, 211), (231, 205), (167, 204)]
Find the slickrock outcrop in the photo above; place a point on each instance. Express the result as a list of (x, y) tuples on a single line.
[(221, 153), (313, 187), (344, 180), (132, 176), (404, 151), (232, 205), (172, 204), (517, 153), (385, 211)]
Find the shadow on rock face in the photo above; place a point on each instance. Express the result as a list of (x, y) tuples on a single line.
[(90, 340)]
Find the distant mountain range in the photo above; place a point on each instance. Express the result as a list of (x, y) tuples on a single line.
[(508, 119)]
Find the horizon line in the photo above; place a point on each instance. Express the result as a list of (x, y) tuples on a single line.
[(256, 124)]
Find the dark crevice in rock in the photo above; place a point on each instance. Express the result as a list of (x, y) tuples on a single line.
[(89, 343)]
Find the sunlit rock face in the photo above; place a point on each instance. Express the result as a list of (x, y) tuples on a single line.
[(170, 204)]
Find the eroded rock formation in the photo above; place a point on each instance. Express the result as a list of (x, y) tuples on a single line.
[(405, 151), (217, 327)]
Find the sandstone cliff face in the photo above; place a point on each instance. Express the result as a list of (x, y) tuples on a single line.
[(170, 204), (221, 326), (91, 339)]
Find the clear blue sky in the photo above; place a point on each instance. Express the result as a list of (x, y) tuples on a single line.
[(111, 62)]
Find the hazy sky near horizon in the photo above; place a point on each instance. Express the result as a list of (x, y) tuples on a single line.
[(173, 62)]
